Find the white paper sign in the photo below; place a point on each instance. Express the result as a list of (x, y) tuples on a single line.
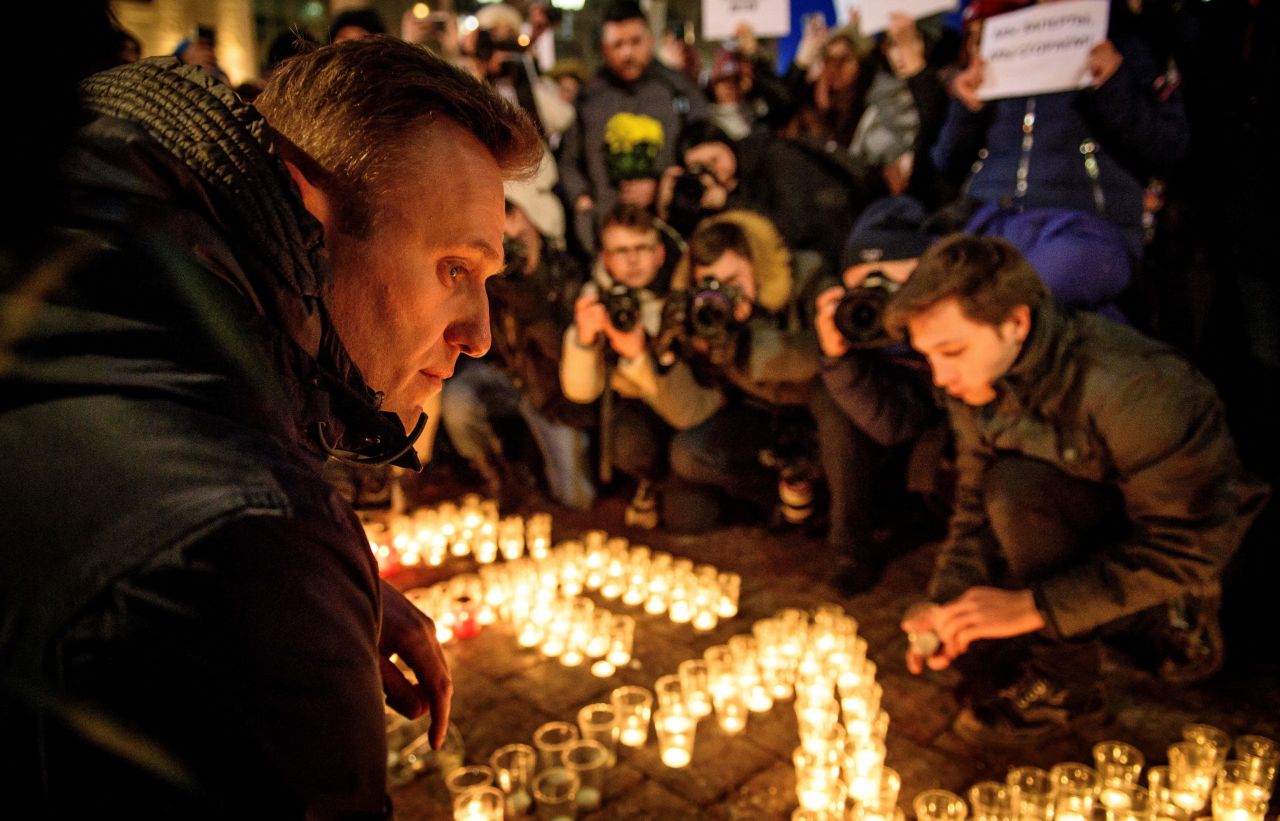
[(767, 18), (873, 15), (1041, 49)]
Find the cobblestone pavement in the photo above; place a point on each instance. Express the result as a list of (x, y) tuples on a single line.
[(504, 692)]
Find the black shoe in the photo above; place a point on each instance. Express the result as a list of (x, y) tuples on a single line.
[(857, 575), (1031, 711), (1193, 642)]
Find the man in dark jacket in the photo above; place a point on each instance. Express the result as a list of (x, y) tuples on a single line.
[(1096, 479), (191, 623), (630, 81)]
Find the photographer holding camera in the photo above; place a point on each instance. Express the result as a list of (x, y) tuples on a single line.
[(607, 349), (735, 316), (881, 429)]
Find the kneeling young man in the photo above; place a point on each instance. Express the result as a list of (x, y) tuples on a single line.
[(1096, 479)]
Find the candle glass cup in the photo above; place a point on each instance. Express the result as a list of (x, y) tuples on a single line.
[(693, 679), (1206, 735), (1262, 756), (555, 792), (1193, 767), (1031, 792), (670, 692), (514, 766), (1128, 803), (599, 722), (1238, 802), (461, 779), (939, 805), (588, 760), (676, 732), (1118, 765), (478, 804), (991, 801), (551, 740), (633, 705)]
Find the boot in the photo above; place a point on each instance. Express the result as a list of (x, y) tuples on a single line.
[(1058, 694), (1193, 644)]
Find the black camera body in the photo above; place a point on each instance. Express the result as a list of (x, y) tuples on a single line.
[(860, 313), (622, 303), (711, 309), (689, 188)]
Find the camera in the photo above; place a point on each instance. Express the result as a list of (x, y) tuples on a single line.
[(711, 309), (689, 188), (622, 303), (860, 313), (486, 45)]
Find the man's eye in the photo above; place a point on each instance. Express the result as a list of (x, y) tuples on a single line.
[(456, 271)]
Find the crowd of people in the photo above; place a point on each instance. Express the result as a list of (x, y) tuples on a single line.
[(850, 298)]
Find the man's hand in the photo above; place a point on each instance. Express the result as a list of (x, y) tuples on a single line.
[(921, 620), (981, 613), (746, 37), (410, 634), (628, 344), (590, 317), (830, 339), (1104, 62), (965, 85)]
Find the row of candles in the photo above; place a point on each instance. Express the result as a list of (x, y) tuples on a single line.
[(470, 527), (542, 599), (815, 659), (1197, 780)]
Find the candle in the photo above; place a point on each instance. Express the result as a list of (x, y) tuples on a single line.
[(589, 798), (676, 757), (518, 803), (634, 736), (603, 669)]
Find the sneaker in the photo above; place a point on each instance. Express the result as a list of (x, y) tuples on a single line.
[(1031, 711), (642, 511), (1193, 642)]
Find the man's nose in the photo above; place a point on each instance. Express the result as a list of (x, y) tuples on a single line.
[(469, 332)]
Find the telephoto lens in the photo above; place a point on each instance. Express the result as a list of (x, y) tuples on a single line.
[(622, 303)]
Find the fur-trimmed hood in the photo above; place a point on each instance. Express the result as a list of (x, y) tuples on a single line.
[(770, 259)]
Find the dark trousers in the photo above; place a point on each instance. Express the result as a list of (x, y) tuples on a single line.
[(724, 453), (640, 440), (1044, 520), (852, 462)]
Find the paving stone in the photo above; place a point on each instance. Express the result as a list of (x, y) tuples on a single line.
[(474, 696), (559, 690), (918, 708), (649, 800), (720, 763), (924, 767), (769, 794), (509, 721)]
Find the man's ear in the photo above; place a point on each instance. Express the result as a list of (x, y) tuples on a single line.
[(315, 200), (1020, 322)]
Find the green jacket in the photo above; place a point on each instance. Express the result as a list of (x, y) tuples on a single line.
[(1101, 402)]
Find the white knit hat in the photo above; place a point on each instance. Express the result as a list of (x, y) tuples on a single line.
[(535, 198)]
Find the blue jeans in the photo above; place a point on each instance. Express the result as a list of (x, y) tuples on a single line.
[(480, 392)]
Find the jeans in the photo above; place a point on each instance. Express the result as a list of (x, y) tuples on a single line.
[(724, 453), (480, 392)]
